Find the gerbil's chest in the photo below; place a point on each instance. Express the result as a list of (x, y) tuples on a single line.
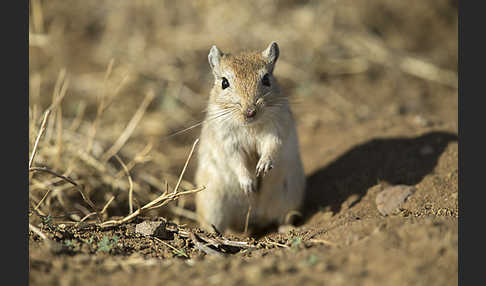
[(242, 141)]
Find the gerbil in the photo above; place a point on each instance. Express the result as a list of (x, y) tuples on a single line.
[(248, 149)]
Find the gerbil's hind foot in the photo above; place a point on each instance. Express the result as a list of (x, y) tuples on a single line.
[(249, 186)]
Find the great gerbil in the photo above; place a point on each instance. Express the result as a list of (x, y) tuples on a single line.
[(249, 151)]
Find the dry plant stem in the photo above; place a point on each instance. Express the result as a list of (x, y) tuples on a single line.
[(101, 107), (42, 200), (130, 127), (58, 85), (203, 247), (78, 187), (90, 203), (130, 182), (185, 165), (57, 161), (241, 244), (42, 169), (103, 169), (79, 117), (223, 241), (38, 232), (210, 241), (170, 246), (247, 220), (102, 211), (107, 204), (139, 157), (181, 202), (58, 94), (109, 69), (275, 243), (86, 217), (158, 202), (62, 92), (161, 201), (46, 183), (41, 131), (185, 184)]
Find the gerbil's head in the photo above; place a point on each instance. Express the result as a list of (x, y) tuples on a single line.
[(244, 84)]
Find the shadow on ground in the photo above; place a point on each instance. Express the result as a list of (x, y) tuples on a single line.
[(392, 160)]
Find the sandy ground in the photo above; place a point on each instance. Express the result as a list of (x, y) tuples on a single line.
[(343, 239)]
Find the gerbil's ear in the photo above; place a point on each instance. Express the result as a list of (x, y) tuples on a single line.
[(271, 54), (214, 56)]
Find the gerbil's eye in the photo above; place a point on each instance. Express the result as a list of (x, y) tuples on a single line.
[(224, 83), (266, 80)]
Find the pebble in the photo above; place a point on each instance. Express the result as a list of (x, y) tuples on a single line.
[(391, 198), (153, 228), (422, 121)]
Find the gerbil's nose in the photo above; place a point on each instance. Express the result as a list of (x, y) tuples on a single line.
[(250, 112)]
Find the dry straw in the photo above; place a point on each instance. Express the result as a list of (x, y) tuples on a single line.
[(69, 144), (160, 201)]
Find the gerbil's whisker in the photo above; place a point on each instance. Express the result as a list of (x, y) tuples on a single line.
[(210, 118), (185, 129)]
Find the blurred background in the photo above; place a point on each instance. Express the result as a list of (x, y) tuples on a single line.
[(123, 75)]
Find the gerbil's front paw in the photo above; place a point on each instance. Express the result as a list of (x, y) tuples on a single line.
[(248, 186), (264, 165)]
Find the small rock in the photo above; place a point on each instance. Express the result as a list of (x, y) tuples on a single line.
[(75, 217), (391, 198), (422, 122), (153, 228)]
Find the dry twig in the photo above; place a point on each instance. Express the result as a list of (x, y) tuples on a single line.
[(158, 202), (170, 246), (247, 220), (130, 127), (130, 182), (42, 200), (41, 131), (275, 243), (185, 165), (78, 187), (203, 247)]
